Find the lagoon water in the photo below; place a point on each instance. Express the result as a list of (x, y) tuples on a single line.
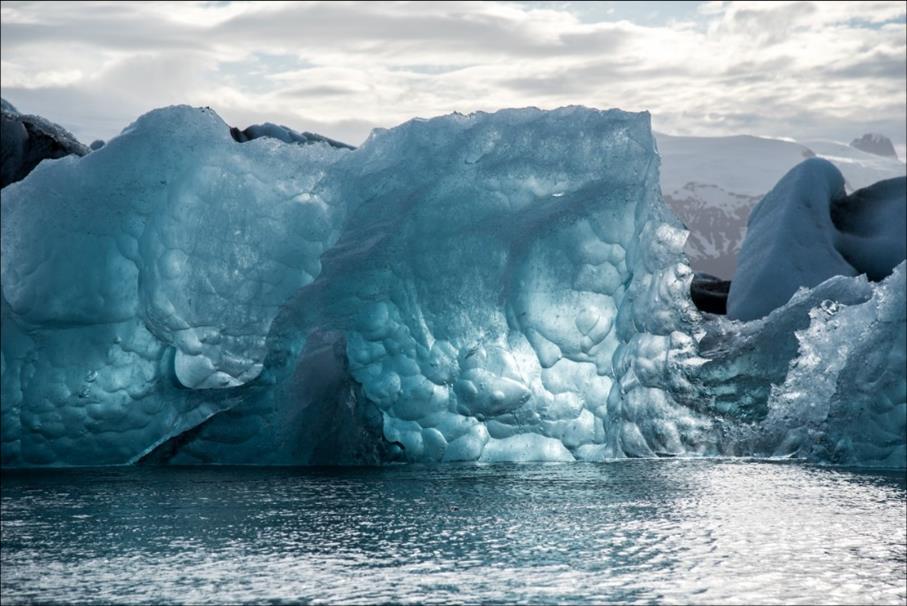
[(701, 531)]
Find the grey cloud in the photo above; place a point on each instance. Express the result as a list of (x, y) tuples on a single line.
[(590, 76), (117, 28), (435, 58), (375, 29), (318, 90), (769, 26), (745, 70), (369, 28), (878, 64), (779, 16), (598, 41), (430, 69)]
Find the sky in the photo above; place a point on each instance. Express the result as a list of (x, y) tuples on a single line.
[(802, 70)]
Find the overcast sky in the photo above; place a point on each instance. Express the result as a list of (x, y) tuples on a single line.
[(793, 69)]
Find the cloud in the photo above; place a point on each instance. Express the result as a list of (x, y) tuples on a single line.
[(796, 69)]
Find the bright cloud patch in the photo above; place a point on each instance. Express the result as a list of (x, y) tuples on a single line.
[(796, 69)]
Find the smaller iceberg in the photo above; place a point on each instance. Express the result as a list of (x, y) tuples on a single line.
[(807, 230), (26, 140)]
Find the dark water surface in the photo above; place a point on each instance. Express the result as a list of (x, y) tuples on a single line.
[(635, 531)]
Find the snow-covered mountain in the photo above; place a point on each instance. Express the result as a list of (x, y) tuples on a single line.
[(712, 183), (875, 143)]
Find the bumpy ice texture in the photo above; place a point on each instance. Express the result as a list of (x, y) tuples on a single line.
[(490, 271), (506, 288), (142, 275), (494, 287)]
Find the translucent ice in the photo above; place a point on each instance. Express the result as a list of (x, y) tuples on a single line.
[(154, 263), (491, 287), (822, 377), (490, 269)]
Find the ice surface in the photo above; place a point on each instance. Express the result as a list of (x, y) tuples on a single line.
[(847, 387), (789, 241), (871, 227), (26, 140), (8, 107), (807, 230), (152, 264), (491, 287), (490, 269), (822, 377)]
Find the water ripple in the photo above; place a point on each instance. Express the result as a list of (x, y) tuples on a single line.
[(679, 531)]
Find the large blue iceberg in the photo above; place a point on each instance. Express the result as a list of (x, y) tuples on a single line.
[(491, 287)]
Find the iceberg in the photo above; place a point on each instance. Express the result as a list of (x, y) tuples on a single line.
[(491, 287), (27, 140), (807, 230), (820, 378), (141, 275), (713, 183)]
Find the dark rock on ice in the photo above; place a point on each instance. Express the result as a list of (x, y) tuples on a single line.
[(710, 293), (25, 140), (284, 133)]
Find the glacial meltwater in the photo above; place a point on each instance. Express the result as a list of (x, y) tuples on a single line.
[(638, 531)]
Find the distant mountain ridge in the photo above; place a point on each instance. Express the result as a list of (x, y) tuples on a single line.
[(875, 143)]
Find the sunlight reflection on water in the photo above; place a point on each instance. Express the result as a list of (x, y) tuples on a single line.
[(635, 531)]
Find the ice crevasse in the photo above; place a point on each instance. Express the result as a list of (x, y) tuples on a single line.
[(491, 287)]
